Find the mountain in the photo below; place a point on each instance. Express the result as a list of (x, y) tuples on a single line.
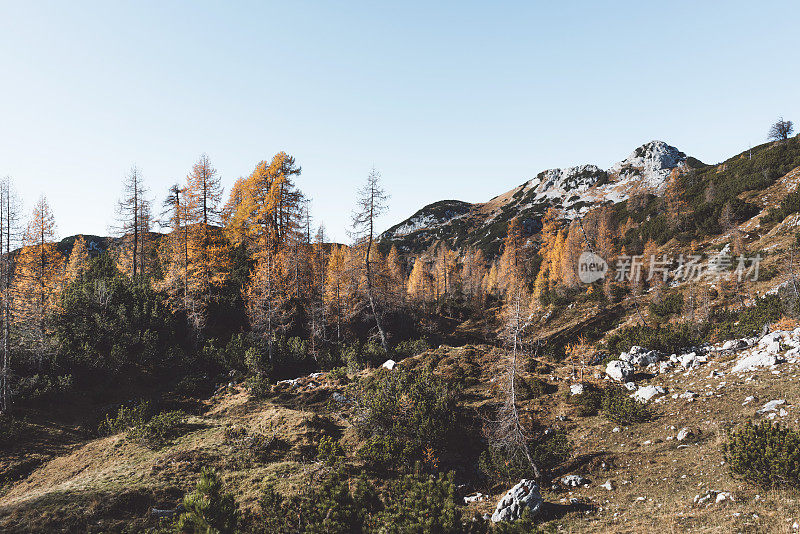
[(574, 190)]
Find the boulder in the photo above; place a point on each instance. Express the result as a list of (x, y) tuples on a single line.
[(576, 389), (643, 357), (688, 361), (645, 393), (389, 364), (619, 370), (523, 495), (755, 360), (683, 434)]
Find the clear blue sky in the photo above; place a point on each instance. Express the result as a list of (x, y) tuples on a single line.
[(448, 100)]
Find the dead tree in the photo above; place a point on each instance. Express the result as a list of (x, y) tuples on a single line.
[(507, 433), (371, 204)]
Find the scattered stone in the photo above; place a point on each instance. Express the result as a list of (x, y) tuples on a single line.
[(724, 496), (712, 495), (619, 370), (477, 497), (748, 400), (573, 481), (771, 406), (523, 495), (607, 485), (688, 395), (576, 389), (683, 434), (338, 397), (630, 386), (389, 364)]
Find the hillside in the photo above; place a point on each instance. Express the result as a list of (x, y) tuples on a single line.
[(574, 190)]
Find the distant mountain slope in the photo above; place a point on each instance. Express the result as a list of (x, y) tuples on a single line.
[(573, 189)]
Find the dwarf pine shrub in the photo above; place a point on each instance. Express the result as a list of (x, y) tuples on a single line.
[(620, 408), (208, 508), (765, 453)]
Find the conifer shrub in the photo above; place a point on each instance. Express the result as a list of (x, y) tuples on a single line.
[(338, 374), (406, 349), (617, 406), (142, 426), (259, 386), (209, 509), (419, 503), (158, 430), (667, 338), (765, 453), (125, 418), (330, 451), (400, 414), (334, 505), (587, 403)]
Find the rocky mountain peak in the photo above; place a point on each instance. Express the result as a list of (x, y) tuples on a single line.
[(650, 163)]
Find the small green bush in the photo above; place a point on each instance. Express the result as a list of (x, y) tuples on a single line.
[(335, 505), (418, 503), (667, 338), (38, 388), (587, 403), (330, 451), (259, 386), (620, 408), (410, 348), (400, 415), (338, 374), (156, 432), (208, 509), (125, 418), (671, 304), (765, 453)]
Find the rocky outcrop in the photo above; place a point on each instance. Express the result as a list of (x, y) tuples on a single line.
[(524, 495)]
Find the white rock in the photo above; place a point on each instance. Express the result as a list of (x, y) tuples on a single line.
[(755, 360), (607, 485), (645, 393), (573, 481), (724, 496), (523, 495), (683, 434), (478, 497), (619, 370), (688, 395), (576, 389), (630, 386), (688, 361), (771, 406), (389, 364)]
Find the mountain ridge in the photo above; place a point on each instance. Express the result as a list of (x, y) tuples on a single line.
[(574, 190)]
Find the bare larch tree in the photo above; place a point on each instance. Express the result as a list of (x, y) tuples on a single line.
[(371, 204)]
